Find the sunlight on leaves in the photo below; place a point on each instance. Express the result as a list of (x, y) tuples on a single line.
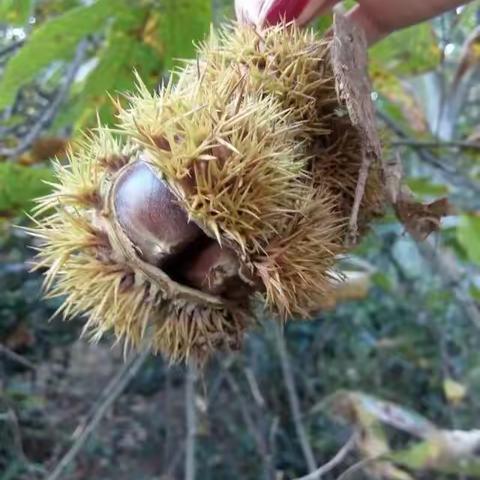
[(468, 235), (54, 40), (15, 12), (14, 200)]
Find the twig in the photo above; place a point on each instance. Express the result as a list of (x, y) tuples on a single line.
[(434, 145), (272, 435), (451, 278), (191, 417), (427, 157), (11, 418), (49, 113), (254, 388), (293, 399), (335, 461), (111, 393), (16, 357), (11, 48), (174, 461), (359, 193), (167, 408), (261, 442), (359, 466)]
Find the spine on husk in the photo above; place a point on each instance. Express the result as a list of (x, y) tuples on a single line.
[(235, 181)]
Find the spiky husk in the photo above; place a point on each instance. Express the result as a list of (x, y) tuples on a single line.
[(298, 265), (260, 153), (246, 180), (295, 66), (96, 279), (233, 161)]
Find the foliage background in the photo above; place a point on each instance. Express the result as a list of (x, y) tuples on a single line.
[(406, 330)]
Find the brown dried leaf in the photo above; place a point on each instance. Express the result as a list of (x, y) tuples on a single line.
[(21, 337), (420, 220), (470, 58), (43, 149)]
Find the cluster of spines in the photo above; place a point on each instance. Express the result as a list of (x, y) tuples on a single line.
[(294, 66), (255, 144), (284, 76), (234, 162), (297, 267), (283, 61), (188, 330), (73, 248), (82, 268)]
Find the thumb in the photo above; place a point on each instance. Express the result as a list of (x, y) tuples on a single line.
[(270, 12)]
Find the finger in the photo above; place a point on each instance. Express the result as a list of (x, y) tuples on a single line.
[(379, 18), (271, 12), (373, 31), (314, 9)]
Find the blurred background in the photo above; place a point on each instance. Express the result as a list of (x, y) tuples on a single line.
[(384, 384)]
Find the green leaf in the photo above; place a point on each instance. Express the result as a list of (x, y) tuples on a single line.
[(15, 12), (407, 52), (182, 23), (56, 39), (475, 293), (427, 455), (424, 187), (50, 8), (383, 281), (468, 234), (323, 23), (19, 185), (121, 54)]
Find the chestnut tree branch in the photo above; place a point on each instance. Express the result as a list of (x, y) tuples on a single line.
[(452, 279), (466, 145), (444, 166), (46, 117), (15, 357), (334, 462), (293, 399)]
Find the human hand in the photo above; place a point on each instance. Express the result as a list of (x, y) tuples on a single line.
[(378, 18)]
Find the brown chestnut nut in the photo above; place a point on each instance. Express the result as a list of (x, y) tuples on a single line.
[(213, 269), (150, 215)]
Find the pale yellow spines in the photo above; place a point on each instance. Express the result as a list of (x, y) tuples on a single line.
[(297, 267), (62, 235), (294, 66), (95, 280), (186, 330), (338, 164), (64, 221), (128, 305), (233, 160), (286, 62), (79, 181), (108, 295), (259, 152), (76, 253)]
